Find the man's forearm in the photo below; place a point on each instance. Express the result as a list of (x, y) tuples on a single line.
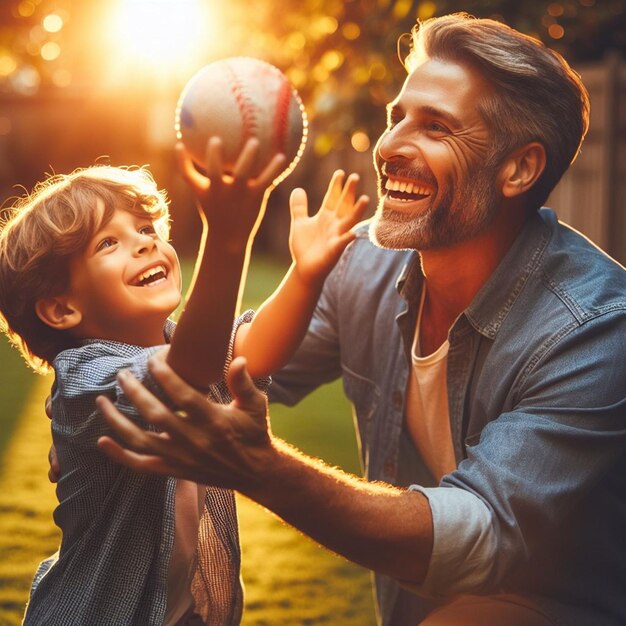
[(375, 525)]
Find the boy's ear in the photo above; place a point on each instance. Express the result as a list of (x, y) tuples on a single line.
[(57, 313), (521, 169)]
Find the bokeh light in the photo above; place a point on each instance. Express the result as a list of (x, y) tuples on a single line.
[(50, 51), (360, 141), (53, 23), (556, 31)]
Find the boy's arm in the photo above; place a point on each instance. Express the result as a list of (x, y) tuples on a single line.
[(316, 243), (231, 208)]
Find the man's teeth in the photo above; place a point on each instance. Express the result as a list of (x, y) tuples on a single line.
[(148, 274), (406, 187)]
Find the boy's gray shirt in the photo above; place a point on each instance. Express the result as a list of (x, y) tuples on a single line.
[(117, 525)]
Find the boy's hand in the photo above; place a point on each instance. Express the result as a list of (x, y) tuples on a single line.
[(233, 203), (316, 242)]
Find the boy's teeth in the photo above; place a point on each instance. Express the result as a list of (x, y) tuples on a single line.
[(151, 272)]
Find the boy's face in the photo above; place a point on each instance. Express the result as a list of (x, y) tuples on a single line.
[(126, 282)]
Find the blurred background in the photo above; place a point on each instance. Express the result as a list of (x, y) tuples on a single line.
[(96, 81)]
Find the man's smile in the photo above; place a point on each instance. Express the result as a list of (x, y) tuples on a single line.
[(406, 190)]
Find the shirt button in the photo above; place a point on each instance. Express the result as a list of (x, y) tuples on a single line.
[(397, 400)]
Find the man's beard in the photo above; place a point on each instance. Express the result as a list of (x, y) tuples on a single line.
[(457, 216)]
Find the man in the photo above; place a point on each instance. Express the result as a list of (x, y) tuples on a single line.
[(482, 346)]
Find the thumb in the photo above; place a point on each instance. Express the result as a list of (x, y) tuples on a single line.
[(245, 394), (298, 203)]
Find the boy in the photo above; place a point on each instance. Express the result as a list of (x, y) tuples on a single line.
[(87, 282)]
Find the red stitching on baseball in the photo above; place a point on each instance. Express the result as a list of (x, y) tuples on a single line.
[(281, 118), (247, 109)]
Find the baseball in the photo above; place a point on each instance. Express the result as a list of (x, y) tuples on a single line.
[(236, 99)]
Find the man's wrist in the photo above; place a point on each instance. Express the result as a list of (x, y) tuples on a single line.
[(271, 470)]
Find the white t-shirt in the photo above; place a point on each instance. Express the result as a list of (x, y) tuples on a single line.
[(427, 415), (189, 507)]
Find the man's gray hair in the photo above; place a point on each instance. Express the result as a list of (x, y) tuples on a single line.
[(536, 94)]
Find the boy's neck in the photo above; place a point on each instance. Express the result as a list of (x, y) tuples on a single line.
[(144, 333)]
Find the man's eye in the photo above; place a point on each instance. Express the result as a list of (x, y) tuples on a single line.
[(436, 127), (105, 243)]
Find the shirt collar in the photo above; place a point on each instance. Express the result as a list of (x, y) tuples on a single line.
[(496, 297), (410, 280), (168, 331), (492, 303)]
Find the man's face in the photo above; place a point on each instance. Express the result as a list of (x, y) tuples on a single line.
[(126, 282), (435, 189)]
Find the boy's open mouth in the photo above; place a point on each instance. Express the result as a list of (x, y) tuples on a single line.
[(150, 276)]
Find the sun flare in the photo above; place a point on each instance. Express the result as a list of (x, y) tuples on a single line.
[(163, 34)]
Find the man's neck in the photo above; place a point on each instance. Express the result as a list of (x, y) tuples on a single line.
[(455, 274)]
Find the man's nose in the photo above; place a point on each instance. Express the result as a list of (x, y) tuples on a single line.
[(394, 144)]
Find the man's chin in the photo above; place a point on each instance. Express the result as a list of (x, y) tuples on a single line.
[(391, 234)]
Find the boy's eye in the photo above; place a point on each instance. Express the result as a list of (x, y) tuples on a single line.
[(148, 229), (105, 243)]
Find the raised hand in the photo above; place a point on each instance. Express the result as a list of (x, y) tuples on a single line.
[(316, 242), (232, 202)]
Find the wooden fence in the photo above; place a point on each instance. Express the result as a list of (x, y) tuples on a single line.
[(591, 197)]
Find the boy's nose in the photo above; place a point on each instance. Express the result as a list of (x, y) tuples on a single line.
[(144, 244)]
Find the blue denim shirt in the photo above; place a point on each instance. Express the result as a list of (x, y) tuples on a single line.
[(536, 391)]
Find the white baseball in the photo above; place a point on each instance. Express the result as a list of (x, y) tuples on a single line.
[(238, 98)]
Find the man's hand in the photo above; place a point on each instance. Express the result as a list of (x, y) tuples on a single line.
[(379, 526), (222, 445), (316, 242)]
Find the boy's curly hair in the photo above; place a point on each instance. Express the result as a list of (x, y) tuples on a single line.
[(43, 230)]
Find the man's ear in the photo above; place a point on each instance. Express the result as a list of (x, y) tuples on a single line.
[(57, 312), (521, 169)]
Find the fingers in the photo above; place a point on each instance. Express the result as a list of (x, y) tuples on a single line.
[(348, 193), (213, 159), (190, 174), (271, 172), (180, 392), (333, 193), (358, 210), (340, 198), (136, 461), (147, 404), (242, 387), (298, 203), (246, 159)]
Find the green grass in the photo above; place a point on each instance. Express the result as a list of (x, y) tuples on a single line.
[(289, 579), (16, 381)]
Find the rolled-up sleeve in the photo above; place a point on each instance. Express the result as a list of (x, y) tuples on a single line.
[(464, 542)]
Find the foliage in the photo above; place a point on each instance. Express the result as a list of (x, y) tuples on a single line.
[(342, 55)]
